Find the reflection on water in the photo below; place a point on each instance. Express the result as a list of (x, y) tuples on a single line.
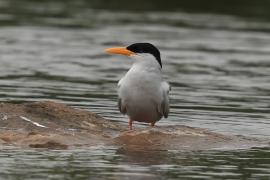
[(110, 163), (218, 66)]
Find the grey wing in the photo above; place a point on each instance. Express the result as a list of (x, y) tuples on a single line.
[(121, 106), (165, 105)]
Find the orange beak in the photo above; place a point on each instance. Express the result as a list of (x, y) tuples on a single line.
[(119, 50)]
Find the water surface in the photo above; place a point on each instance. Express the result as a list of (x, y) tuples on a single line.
[(218, 67)]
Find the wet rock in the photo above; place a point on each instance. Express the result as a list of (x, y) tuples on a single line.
[(180, 138), (40, 123), (56, 126)]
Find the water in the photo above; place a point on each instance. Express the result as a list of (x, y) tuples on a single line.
[(109, 163), (218, 66)]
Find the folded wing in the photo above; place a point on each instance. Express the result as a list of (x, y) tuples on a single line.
[(164, 107)]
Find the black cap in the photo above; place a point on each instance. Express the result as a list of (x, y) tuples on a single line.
[(146, 48)]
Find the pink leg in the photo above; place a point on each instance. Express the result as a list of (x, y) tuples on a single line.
[(130, 124), (153, 124)]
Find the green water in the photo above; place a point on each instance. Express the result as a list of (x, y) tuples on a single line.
[(215, 56)]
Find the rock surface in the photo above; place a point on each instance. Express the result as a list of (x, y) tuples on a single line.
[(57, 126)]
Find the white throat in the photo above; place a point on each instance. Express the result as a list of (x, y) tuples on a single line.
[(146, 60)]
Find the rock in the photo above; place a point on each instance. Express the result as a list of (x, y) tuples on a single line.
[(56, 126), (180, 138), (33, 124)]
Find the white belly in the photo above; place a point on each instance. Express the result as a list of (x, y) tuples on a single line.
[(141, 94)]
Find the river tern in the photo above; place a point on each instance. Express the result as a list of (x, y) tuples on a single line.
[(142, 93)]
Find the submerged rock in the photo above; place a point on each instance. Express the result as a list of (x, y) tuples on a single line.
[(57, 126)]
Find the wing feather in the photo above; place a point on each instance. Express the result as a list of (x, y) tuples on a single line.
[(121, 106), (165, 105)]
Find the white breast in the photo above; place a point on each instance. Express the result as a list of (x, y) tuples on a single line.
[(141, 91)]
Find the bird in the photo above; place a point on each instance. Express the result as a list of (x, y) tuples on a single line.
[(143, 94)]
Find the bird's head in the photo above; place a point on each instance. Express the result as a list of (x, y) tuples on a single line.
[(136, 49)]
